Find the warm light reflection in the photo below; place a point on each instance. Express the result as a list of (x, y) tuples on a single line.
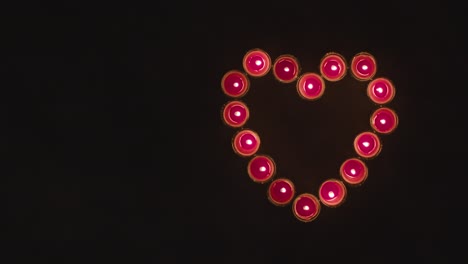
[(379, 90), (286, 69), (237, 113), (236, 84), (306, 208), (258, 62), (366, 144), (353, 171), (382, 121), (283, 190), (334, 68), (262, 168), (310, 86), (331, 194), (364, 67)]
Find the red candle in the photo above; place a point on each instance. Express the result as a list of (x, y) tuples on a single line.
[(363, 66), (333, 67), (381, 91), (235, 114), (235, 84), (256, 63), (354, 171), (310, 86), (367, 145), (246, 143), (332, 193), (384, 120), (261, 168), (286, 68), (306, 207), (281, 192)]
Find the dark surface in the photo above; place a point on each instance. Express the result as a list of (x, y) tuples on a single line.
[(112, 127)]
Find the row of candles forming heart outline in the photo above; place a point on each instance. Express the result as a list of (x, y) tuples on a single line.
[(310, 86)]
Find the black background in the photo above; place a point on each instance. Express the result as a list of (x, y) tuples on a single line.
[(112, 129)]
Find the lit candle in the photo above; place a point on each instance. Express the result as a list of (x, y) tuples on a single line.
[(306, 207), (246, 143), (235, 84), (286, 68), (235, 114), (281, 192), (381, 91), (256, 63), (261, 168), (384, 120), (333, 67), (367, 145), (354, 171), (363, 66), (310, 86), (332, 193)]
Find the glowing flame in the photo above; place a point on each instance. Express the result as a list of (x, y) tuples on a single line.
[(286, 69), (306, 208), (249, 142), (262, 168), (366, 144), (334, 68), (331, 194), (283, 190), (353, 171), (236, 84), (258, 62)]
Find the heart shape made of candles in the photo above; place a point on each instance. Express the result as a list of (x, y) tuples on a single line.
[(310, 86)]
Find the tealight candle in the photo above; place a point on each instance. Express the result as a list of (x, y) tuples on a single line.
[(306, 207), (246, 143), (256, 63), (310, 86), (281, 192), (332, 193), (381, 91), (354, 171), (384, 120), (235, 114), (363, 66), (235, 84), (261, 168), (333, 67), (367, 145), (286, 68)]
